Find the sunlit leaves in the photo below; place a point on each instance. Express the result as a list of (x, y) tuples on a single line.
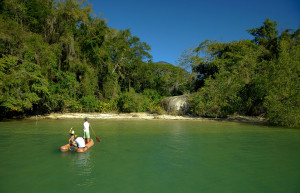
[(252, 78), (21, 84)]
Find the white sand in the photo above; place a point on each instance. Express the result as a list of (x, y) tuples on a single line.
[(146, 116), (141, 116)]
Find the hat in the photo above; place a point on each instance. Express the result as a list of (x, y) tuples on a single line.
[(86, 119), (76, 136), (72, 132)]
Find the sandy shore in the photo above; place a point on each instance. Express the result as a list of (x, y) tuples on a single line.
[(142, 116), (145, 116)]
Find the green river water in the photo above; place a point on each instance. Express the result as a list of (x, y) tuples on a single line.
[(150, 156)]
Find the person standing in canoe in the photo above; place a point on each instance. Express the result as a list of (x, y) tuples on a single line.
[(86, 131)]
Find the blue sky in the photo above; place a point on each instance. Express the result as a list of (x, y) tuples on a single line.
[(171, 26)]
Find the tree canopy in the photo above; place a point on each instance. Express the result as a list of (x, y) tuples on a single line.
[(58, 56), (258, 77)]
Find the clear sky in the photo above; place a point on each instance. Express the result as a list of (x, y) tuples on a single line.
[(171, 26)]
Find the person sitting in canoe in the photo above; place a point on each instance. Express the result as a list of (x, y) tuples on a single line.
[(79, 142), (72, 138)]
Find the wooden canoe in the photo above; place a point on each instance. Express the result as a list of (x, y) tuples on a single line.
[(67, 147)]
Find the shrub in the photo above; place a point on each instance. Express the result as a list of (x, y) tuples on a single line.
[(135, 102)]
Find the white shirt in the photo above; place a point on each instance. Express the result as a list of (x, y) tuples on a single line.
[(80, 142), (86, 127)]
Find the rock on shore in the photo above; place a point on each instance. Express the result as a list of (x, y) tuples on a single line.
[(178, 105)]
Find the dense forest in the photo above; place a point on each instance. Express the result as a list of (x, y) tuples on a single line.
[(57, 56)]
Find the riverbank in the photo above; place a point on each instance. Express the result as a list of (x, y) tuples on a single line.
[(144, 116)]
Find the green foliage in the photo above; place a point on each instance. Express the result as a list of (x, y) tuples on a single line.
[(283, 94), (227, 91), (132, 102), (266, 33), (21, 85), (259, 77), (153, 95), (170, 80), (90, 103), (55, 56), (153, 100), (218, 99)]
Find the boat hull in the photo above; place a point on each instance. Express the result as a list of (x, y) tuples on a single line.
[(67, 147)]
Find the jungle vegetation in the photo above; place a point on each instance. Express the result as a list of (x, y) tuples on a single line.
[(57, 56), (258, 77)]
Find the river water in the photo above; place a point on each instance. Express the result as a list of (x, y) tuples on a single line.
[(150, 156)]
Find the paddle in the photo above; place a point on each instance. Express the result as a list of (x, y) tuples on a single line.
[(95, 134)]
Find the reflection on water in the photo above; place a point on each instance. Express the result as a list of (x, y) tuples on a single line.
[(80, 161), (83, 163), (82, 166)]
